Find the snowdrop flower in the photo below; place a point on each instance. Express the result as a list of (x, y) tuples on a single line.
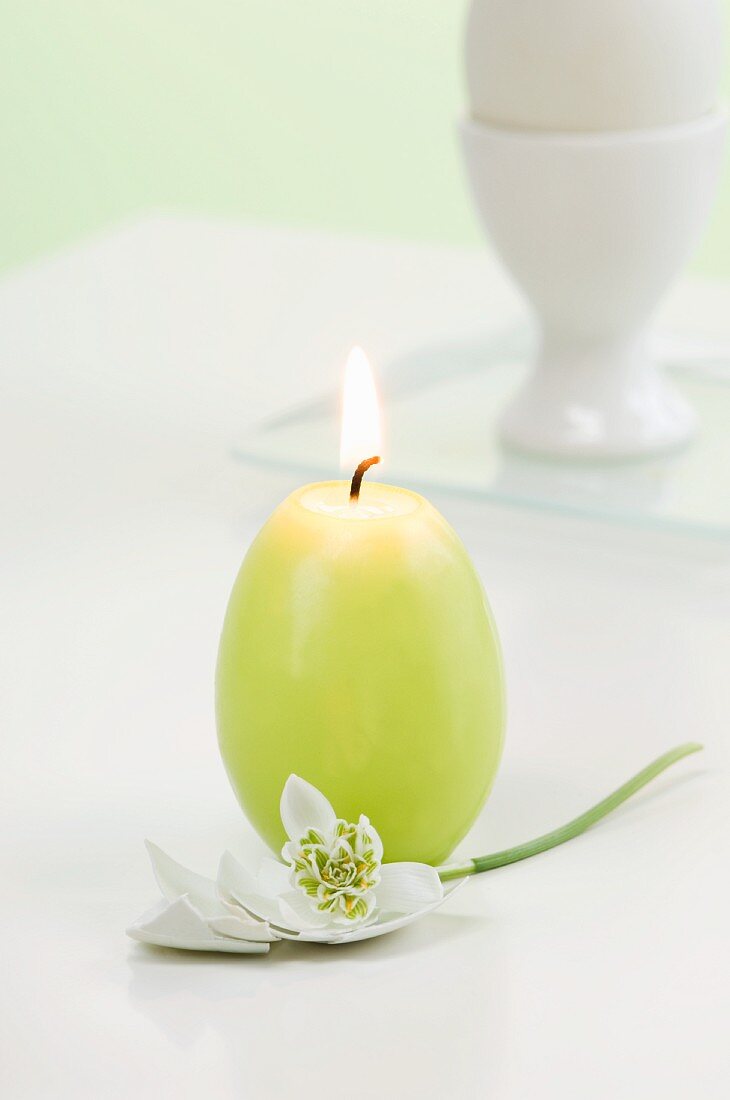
[(333, 886), (338, 869)]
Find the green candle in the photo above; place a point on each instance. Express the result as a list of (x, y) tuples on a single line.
[(359, 652)]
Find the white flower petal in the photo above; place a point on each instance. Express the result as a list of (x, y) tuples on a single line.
[(374, 927), (237, 885), (299, 926), (290, 852), (298, 915), (377, 842), (242, 928), (233, 878), (178, 924), (303, 807), (407, 887), (382, 927), (272, 878), (174, 881)]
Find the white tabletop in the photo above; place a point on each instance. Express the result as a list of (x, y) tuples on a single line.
[(129, 368)]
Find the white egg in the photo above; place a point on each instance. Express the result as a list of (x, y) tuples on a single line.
[(593, 64)]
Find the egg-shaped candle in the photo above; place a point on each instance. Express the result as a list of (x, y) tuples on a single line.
[(593, 64), (359, 652)]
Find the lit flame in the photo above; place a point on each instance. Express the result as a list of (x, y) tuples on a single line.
[(362, 431)]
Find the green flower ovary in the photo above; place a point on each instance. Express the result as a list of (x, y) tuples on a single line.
[(339, 871)]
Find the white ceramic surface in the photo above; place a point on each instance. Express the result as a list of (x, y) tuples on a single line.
[(593, 228), (593, 64), (597, 970)]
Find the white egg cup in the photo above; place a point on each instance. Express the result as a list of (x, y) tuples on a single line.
[(594, 227)]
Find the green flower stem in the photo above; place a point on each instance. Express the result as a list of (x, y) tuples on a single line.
[(575, 827)]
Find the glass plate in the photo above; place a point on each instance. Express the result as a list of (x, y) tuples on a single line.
[(442, 405)]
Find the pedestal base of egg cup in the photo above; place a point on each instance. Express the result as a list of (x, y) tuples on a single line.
[(593, 228)]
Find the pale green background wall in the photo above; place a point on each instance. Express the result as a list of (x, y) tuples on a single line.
[(328, 112)]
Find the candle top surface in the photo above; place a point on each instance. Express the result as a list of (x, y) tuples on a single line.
[(376, 501)]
